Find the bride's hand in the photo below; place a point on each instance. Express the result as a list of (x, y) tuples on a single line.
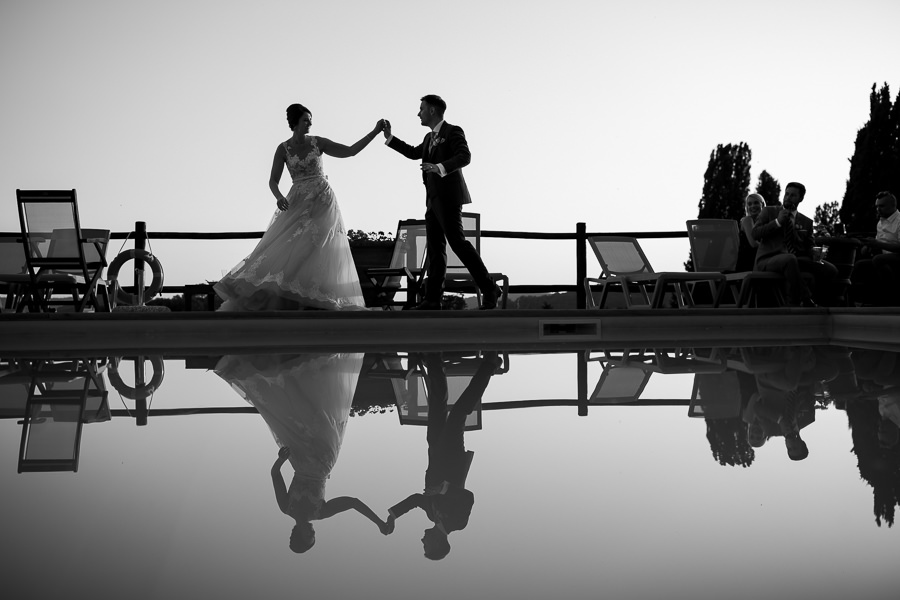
[(282, 204), (386, 128)]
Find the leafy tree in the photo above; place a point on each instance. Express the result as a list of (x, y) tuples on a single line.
[(725, 185), (726, 182), (769, 188), (827, 219), (875, 165)]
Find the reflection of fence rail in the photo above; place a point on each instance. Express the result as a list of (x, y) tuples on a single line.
[(579, 236)]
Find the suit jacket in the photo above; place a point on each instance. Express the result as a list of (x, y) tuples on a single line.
[(452, 152), (770, 235)]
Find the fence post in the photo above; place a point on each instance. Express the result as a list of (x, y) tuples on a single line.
[(580, 264), (582, 384), (140, 243)]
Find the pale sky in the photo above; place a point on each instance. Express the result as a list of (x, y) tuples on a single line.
[(595, 111)]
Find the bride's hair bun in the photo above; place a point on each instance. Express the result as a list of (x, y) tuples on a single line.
[(294, 113)]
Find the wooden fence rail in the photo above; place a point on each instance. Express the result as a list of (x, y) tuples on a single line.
[(140, 235)]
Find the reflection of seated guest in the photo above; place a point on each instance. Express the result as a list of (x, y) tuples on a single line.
[(876, 276), (785, 402), (753, 205), (785, 246), (445, 500)]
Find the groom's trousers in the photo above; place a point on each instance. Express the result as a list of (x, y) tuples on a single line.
[(443, 226)]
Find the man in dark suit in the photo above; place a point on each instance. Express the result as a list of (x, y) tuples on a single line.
[(785, 239), (444, 152), (446, 501)]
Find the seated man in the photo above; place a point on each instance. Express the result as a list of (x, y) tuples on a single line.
[(876, 276), (785, 239)]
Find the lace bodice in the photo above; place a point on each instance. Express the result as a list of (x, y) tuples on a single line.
[(306, 166)]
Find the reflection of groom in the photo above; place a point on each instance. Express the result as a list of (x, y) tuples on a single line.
[(446, 501), (444, 152)]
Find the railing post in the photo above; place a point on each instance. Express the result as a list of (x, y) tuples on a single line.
[(140, 243), (140, 402), (580, 264), (582, 384)]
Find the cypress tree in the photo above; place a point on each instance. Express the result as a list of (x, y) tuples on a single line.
[(769, 188), (875, 165), (726, 182)]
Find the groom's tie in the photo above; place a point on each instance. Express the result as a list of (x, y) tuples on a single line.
[(432, 142), (790, 242)]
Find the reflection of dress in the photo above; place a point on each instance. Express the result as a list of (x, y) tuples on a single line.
[(304, 257), (305, 400)]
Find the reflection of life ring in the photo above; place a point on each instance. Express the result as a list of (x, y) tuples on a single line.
[(151, 261), (141, 392)]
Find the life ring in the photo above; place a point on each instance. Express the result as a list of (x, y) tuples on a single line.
[(141, 392), (112, 273)]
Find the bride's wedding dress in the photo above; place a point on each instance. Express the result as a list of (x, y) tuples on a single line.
[(303, 260), (305, 400)]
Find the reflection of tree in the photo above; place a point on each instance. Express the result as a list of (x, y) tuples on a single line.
[(878, 466), (728, 437), (728, 441)]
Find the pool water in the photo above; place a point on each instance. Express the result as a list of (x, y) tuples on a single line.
[(599, 474)]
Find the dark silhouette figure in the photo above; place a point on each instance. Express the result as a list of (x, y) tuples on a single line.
[(445, 500)]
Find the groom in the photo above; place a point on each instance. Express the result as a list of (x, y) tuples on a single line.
[(444, 153)]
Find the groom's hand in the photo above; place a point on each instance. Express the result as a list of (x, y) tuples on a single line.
[(387, 129)]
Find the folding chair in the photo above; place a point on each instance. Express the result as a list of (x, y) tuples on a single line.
[(625, 266), (714, 247), (59, 256), (15, 281), (407, 262), (458, 278)]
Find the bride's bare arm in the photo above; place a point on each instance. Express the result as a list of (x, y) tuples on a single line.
[(281, 494), (275, 177), (345, 503), (341, 151)]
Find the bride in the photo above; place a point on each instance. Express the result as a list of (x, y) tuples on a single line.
[(303, 260)]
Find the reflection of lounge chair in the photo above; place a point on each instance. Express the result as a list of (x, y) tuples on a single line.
[(714, 247), (62, 397), (406, 265), (621, 381), (625, 266), (716, 395), (61, 257), (412, 390)]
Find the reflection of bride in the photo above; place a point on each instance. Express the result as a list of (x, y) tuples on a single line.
[(305, 400)]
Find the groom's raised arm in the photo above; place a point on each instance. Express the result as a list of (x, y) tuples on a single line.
[(410, 152)]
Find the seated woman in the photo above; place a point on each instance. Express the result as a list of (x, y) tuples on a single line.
[(747, 251)]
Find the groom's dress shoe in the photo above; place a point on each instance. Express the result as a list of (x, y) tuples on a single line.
[(426, 305), (489, 302)]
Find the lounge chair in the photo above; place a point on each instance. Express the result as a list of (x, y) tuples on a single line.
[(714, 247), (625, 266), (15, 281), (404, 274)]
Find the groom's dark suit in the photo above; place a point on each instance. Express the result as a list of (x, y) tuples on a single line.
[(445, 197)]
